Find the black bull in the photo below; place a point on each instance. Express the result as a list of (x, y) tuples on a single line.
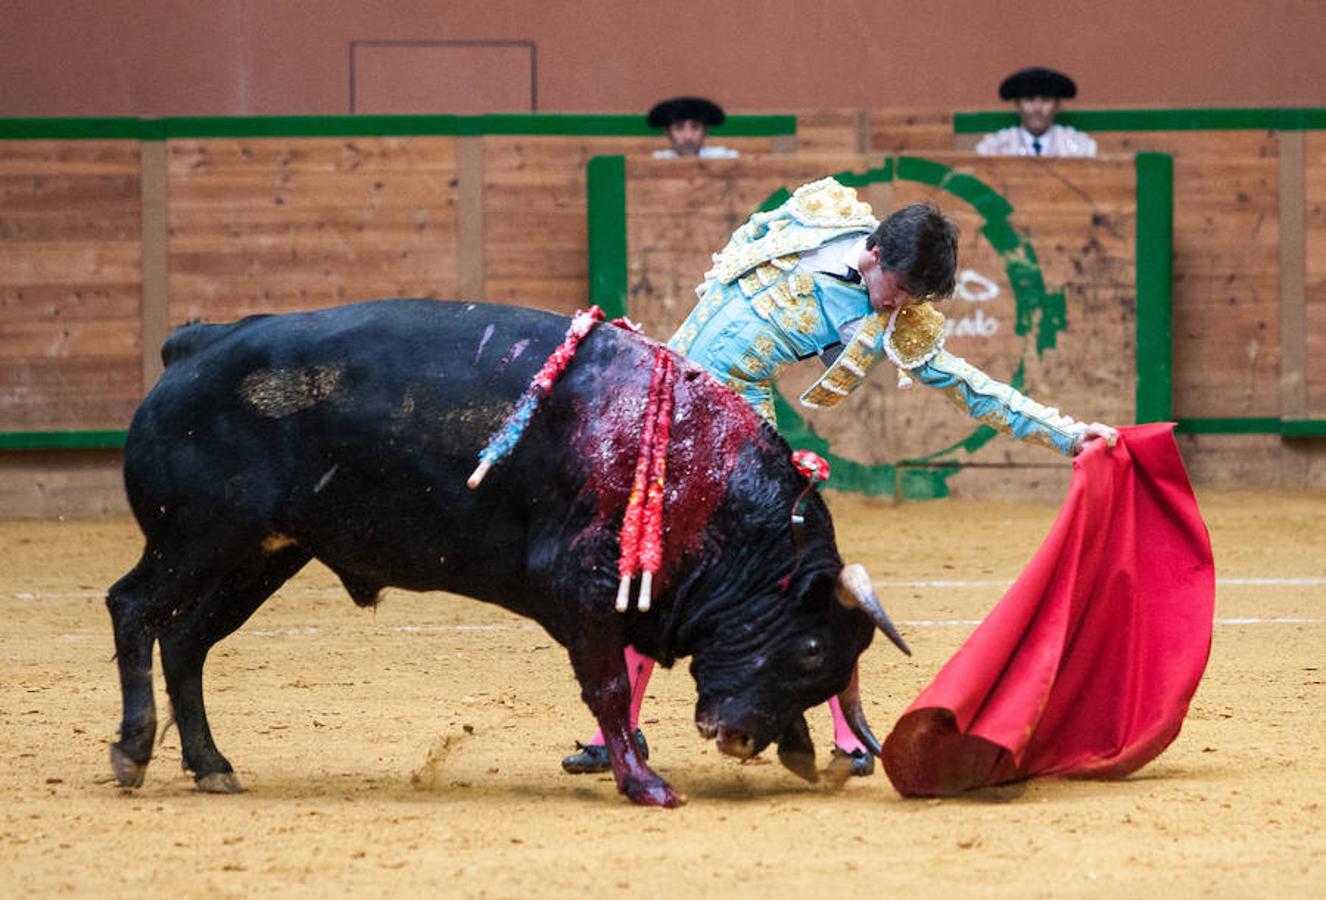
[(347, 435)]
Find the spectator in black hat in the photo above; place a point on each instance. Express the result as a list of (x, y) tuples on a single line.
[(686, 122), (1036, 93)]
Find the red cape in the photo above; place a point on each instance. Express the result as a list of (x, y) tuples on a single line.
[(1087, 665)]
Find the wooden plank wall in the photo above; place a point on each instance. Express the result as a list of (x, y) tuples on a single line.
[(90, 279), (69, 284), (284, 224), (264, 224), (534, 226), (1082, 225), (1226, 268)]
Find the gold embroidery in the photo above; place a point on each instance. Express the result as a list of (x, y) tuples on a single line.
[(685, 336), (918, 332), (826, 202), (956, 396), (801, 284), (851, 368), (781, 294), (806, 320)]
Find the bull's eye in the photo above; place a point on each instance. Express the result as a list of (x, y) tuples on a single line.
[(811, 655)]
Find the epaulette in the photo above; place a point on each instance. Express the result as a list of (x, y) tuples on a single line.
[(816, 214), (915, 334)]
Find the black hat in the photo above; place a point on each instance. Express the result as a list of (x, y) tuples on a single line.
[(679, 109), (1037, 82)]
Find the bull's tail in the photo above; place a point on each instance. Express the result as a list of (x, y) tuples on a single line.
[(194, 336)]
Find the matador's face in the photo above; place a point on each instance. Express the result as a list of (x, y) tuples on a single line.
[(886, 292)]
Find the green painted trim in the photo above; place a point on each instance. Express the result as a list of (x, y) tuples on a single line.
[(1229, 119), (61, 129), (1155, 287), (605, 185), (1303, 428), (533, 124), (1229, 426), (48, 440)]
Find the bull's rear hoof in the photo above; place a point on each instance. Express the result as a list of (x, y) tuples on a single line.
[(220, 783), (127, 772)]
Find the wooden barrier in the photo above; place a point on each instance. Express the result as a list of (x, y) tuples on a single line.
[(1065, 333), (114, 231), (69, 284), (282, 224), (108, 244), (534, 217)]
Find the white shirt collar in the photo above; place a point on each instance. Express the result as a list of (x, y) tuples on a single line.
[(1028, 137)]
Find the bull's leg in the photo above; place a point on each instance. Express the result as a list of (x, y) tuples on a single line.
[(174, 571), (133, 622), (186, 640), (597, 656)]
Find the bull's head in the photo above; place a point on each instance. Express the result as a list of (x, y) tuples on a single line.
[(780, 655)]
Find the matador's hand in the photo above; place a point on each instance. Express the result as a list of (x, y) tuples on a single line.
[(1095, 432)]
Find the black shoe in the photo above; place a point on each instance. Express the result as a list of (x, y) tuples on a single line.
[(594, 757), (861, 765)]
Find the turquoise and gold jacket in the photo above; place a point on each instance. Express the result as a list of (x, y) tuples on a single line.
[(759, 313)]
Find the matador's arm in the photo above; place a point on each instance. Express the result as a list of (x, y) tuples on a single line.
[(998, 405)]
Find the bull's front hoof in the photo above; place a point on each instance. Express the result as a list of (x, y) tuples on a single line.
[(652, 793), (128, 772), (219, 783), (800, 764)]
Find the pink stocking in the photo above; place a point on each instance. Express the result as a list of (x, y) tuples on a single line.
[(638, 668), (842, 732)]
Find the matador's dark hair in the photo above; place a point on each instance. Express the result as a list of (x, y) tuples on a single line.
[(920, 245)]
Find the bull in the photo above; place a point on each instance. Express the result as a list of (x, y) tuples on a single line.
[(346, 435)]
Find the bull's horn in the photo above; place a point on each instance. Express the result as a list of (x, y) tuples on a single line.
[(856, 592), (850, 701)]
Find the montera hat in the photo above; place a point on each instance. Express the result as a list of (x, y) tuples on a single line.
[(679, 109), (1037, 82)]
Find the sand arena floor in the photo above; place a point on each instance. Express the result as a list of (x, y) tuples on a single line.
[(414, 749)]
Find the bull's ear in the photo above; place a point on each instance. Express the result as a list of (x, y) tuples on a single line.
[(856, 592), (796, 751)]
